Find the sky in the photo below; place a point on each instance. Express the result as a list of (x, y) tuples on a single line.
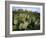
[(33, 9)]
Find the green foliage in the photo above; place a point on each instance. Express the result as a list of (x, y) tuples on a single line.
[(25, 20)]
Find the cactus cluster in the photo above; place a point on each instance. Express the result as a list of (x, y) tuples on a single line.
[(25, 20)]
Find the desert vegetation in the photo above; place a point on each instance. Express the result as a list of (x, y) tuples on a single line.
[(25, 20)]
